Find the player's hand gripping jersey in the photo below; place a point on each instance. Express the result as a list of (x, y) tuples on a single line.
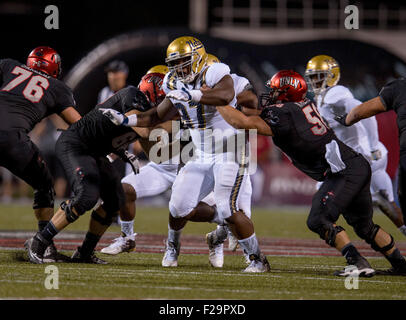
[(300, 132), (99, 134), (198, 117), (27, 96), (362, 136)]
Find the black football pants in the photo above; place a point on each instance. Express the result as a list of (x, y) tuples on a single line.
[(22, 157), (90, 177), (346, 192)]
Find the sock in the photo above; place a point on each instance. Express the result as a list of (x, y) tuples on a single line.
[(49, 231), (127, 227), (403, 229), (42, 224), (221, 233), (217, 218), (350, 253), (396, 259), (174, 235), (89, 244), (250, 246)]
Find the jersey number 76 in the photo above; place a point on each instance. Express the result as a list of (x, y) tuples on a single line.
[(34, 89)]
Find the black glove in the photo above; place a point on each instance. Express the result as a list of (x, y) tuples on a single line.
[(341, 119)]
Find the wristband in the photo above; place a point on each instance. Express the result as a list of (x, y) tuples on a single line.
[(131, 121)]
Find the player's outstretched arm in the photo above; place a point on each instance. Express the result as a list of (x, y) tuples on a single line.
[(165, 111), (220, 95), (364, 110), (70, 115), (240, 121)]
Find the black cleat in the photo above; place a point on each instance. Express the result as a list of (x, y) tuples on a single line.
[(392, 272), (359, 267), (78, 258), (36, 247), (51, 255)]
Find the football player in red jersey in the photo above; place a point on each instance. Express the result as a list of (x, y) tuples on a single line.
[(29, 93), (298, 130)]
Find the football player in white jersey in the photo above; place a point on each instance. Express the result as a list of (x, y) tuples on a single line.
[(247, 101), (219, 169), (323, 74)]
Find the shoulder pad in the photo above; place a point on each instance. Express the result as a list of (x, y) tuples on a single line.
[(337, 93), (215, 73)]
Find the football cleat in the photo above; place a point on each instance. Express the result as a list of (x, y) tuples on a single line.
[(170, 258), (216, 254), (121, 244), (360, 268), (51, 255), (36, 247), (258, 264), (392, 272), (77, 257)]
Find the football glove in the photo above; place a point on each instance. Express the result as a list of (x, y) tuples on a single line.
[(376, 155), (185, 95), (341, 119), (118, 118), (133, 161)]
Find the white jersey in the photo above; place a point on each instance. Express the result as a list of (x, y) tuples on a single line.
[(362, 136), (240, 83), (199, 118)]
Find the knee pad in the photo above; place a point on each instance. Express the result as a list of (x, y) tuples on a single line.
[(86, 193), (370, 239), (105, 221), (69, 214)]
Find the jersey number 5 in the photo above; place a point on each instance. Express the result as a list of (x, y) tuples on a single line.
[(34, 89), (313, 116)]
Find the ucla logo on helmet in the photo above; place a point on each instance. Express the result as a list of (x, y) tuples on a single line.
[(194, 44), (289, 81)]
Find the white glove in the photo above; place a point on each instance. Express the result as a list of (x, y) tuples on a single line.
[(133, 160), (185, 95), (118, 118), (376, 155)]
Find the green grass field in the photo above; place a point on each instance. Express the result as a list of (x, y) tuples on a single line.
[(140, 276)]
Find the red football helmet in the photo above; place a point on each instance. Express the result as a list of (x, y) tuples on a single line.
[(151, 86), (45, 59), (286, 86)]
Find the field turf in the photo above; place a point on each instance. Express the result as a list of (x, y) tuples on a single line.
[(139, 275)]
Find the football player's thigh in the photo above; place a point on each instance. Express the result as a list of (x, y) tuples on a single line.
[(227, 187), (150, 181), (244, 198), (193, 183), (111, 190), (359, 212)]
